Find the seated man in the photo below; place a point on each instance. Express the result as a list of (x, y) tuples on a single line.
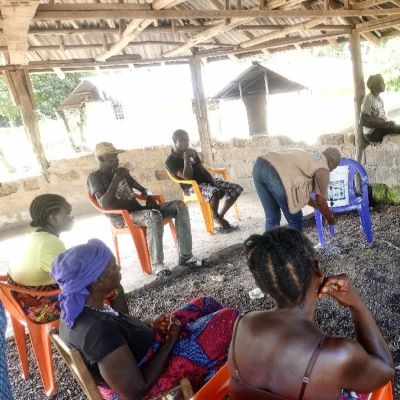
[(373, 117), (185, 163), (114, 188)]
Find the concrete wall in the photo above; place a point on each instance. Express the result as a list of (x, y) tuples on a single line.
[(68, 177)]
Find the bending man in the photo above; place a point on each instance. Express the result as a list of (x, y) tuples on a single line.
[(285, 179)]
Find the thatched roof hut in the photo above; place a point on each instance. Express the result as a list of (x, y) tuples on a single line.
[(253, 86)]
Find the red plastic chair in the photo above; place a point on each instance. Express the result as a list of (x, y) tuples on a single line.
[(37, 332), (217, 388), (383, 393), (138, 233)]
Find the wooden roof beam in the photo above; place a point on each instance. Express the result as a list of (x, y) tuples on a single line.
[(336, 4), (376, 24), (178, 29), (273, 44), (215, 30), (16, 17), (134, 28), (146, 15), (283, 32)]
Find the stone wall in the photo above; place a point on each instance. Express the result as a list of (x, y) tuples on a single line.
[(68, 177)]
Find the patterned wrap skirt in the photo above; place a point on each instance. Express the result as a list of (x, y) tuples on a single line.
[(201, 349), (39, 310)]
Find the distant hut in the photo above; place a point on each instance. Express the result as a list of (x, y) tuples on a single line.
[(93, 98), (253, 86)]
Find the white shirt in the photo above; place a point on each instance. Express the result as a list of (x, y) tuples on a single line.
[(373, 106)]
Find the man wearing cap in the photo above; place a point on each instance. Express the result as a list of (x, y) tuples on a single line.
[(113, 187), (285, 179)]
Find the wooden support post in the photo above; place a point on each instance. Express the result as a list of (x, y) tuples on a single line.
[(359, 90), (21, 90), (200, 109)]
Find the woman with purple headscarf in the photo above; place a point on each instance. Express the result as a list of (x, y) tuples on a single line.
[(131, 359)]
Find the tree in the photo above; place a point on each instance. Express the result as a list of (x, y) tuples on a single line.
[(9, 113), (50, 91)]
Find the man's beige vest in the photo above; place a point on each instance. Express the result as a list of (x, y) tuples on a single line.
[(296, 168)]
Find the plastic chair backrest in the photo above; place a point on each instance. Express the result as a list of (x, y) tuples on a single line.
[(355, 168), (12, 305), (77, 366)]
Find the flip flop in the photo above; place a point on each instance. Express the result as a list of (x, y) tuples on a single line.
[(231, 228)]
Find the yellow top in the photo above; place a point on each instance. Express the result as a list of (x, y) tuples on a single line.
[(35, 264)]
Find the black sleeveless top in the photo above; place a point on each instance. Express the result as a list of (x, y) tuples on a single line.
[(240, 390)]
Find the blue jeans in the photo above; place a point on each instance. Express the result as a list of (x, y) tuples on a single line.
[(273, 198)]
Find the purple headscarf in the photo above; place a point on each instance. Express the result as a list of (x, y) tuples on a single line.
[(74, 270)]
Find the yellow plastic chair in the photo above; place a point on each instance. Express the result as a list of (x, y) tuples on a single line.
[(197, 196)]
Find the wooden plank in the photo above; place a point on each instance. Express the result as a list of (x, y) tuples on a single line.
[(11, 88), (273, 44), (134, 28), (21, 82), (93, 7), (211, 32), (276, 35), (200, 109), (179, 29), (380, 23), (16, 17), (206, 35), (146, 15)]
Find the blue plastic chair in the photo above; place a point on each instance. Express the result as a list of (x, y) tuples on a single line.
[(359, 203)]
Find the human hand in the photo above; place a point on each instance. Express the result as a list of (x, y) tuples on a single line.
[(162, 323), (174, 329), (189, 153), (151, 202), (121, 173), (340, 288)]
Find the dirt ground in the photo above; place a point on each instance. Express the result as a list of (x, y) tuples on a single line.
[(373, 269)]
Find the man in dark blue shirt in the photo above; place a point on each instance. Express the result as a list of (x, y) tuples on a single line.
[(185, 163)]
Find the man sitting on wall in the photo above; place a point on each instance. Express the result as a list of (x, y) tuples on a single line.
[(185, 163), (114, 187), (373, 117)]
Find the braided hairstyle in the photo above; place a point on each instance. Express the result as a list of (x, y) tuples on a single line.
[(45, 205), (281, 261)]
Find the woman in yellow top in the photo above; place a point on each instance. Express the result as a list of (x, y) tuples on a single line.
[(51, 215)]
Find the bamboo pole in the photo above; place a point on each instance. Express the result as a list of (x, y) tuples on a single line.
[(200, 109), (359, 91)]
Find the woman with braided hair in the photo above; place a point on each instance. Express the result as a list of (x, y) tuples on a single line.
[(51, 215), (281, 354)]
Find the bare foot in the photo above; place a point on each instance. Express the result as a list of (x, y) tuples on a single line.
[(222, 222)]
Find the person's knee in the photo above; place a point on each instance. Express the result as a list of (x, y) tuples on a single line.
[(181, 205), (155, 216)]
